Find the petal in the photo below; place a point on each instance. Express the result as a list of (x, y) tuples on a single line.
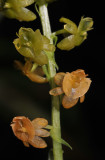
[(69, 102), (56, 91), (38, 37), (82, 98), (82, 88), (36, 78), (77, 77), (67, 84), (59, 78), (18, 132), (39, 123), (38, 142), (85, 24), (22, 128), (27, 67), (42, 133), (26, 144), (23, 50), (70, 29), (26, 36)]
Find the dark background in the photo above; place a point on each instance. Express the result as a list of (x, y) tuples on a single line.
[(82, 125)]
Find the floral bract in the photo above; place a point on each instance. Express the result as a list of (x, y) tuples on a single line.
[(76, 34), (74, 85), (33, 45), (29, 132), (16, 9)]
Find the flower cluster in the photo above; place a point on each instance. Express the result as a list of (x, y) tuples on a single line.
[(76, 34), (74, 85), (29, 132), (33, 45), (16, 9)]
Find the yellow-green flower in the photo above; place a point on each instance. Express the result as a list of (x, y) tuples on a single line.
[(16, 9), (76, 34), (33, 45)]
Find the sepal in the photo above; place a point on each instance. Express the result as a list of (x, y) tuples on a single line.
[(15, 9)]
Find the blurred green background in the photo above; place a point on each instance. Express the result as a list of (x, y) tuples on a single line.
[(82, 125)]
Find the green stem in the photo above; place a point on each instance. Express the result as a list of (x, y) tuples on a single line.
[(57, 147)]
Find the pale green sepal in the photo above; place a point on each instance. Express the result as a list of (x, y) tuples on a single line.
[(70, 26), (67, 43)]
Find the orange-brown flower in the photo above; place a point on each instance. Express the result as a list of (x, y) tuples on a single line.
[(36, 76), (74, 85), (29, 132)]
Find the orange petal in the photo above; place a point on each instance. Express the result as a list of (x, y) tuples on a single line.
[(39, 123), (67, 84), (26, 144), (78, 76), (27, 67), (82, 98), (59, 78), (82, 88), (68, 102), (36, 78), (23, 128), (38, 142), (42, 133), (56, 91), (80, 73)]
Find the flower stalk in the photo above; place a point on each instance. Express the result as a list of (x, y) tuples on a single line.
[(57, 147)]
